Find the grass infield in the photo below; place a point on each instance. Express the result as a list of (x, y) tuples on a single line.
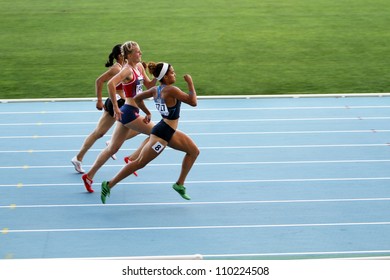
[(58, 48)]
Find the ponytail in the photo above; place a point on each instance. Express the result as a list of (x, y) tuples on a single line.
[(115, 53)]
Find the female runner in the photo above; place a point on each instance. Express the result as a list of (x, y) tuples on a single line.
[(133, 77), (167, 98)]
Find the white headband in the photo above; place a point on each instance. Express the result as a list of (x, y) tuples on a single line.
[(164, 70)]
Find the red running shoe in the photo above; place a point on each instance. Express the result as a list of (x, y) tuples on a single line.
[(127, 160), (87, 183)]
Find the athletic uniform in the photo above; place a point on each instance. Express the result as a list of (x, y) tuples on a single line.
[(108, 103), (132, 88), (162, 129)]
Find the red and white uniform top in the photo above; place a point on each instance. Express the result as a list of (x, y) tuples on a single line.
[(119, 86), (135, 86)]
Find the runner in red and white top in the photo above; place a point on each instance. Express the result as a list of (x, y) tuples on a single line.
[(107, 119), (133, 77)]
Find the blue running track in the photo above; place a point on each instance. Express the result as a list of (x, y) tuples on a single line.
[(277, 178)]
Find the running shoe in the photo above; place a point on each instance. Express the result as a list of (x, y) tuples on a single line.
[(181, 190), (105, 192), (77, 165), (127, 160), (114, 155), (87, 183)]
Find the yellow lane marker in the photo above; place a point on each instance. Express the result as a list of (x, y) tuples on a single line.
[(19, 185), (9, 256)]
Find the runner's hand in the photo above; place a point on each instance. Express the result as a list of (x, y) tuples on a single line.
[(118, 115), (188, 78), (147, 119), (99, 105)]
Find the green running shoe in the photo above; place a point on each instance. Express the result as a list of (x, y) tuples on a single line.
[(181, 190), (105, 191)]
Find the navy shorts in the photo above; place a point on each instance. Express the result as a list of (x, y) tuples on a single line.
[(110, 108), (130, 113), (163, 131)]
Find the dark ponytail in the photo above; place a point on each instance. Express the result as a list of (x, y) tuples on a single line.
[(116, 52)]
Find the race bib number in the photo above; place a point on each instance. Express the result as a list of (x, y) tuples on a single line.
[(158, 147), (162, 108), (139, 86)]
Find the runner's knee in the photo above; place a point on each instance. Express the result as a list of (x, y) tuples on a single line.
[(195, 152), (98, 134), (140, 163), (113, 148)]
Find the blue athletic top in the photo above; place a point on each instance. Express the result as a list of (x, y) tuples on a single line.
[(170, 113)]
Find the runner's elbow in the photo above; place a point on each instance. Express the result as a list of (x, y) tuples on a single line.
[(193, 103)]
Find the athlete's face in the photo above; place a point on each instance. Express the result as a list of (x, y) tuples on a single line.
[(136, 54), (171, 76)]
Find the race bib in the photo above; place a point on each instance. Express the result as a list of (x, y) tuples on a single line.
[(139, 86), (162, 108), (158, 147)]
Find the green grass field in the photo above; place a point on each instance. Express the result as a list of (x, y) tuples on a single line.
[(58, 48)]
